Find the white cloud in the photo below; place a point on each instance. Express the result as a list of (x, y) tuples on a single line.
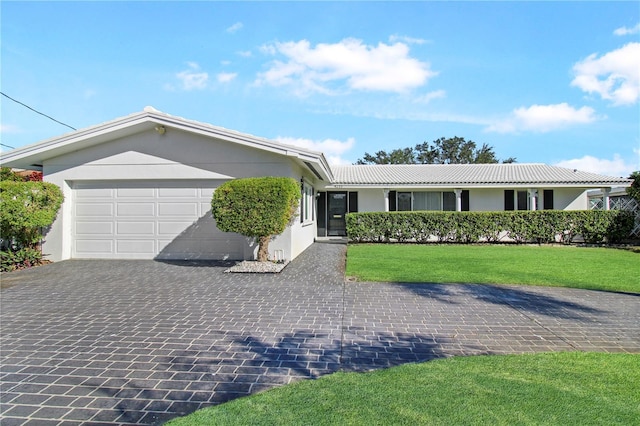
[(615, 167), (333, 149), (245, 53), (426, 98), (614, 75), (410, 40), (622, 31), (349, 64), (268, 49), (543, 118), (192, 79), (226, 77), (235, 27)]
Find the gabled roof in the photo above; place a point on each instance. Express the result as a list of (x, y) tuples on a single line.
[(33, 156), (384, 176), (468, 175)]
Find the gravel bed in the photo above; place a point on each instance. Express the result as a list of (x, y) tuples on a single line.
[(252, 266)]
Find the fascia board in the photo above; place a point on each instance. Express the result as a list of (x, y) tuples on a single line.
[(590, 185)]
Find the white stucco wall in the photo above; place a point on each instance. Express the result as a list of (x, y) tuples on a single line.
[(370, 200), (299, 236), (486, 200), (570, 199), (175, 155)]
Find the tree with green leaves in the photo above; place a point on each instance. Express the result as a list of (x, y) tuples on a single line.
[(27, 176), (634, 189), (454, 150), (260, 208)]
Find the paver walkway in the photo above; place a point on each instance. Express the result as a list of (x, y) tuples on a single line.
[(140, 342)]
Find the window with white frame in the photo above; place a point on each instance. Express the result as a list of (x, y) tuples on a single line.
[(306, 203), (426, 200)]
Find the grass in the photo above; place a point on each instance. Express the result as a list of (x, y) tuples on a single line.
[(592, 268), (555, 388)]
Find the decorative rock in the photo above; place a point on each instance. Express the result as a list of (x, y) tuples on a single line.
[(251, 266)]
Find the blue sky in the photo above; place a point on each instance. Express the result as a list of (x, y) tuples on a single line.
[(551, 82)]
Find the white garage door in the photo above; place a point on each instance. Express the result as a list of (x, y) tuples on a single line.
[(147, 220)]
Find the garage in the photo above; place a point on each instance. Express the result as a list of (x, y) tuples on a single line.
[(149, 220), (140, 187)]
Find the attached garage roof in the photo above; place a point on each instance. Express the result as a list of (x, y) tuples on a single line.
[(32, 156), (468, 175)]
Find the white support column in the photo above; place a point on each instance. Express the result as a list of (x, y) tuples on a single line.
[(605, 198), (533, 198), (386, 199), (458, 199)]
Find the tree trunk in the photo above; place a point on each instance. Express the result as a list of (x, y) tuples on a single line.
[(263, 248)]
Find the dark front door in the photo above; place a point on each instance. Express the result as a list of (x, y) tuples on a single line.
[(336, 211)]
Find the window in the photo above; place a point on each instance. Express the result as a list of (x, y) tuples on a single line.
[(306, 203), (449, 201), (426, 200), (404, 201), (516, 200)]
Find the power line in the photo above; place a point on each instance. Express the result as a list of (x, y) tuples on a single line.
[(36, 111)]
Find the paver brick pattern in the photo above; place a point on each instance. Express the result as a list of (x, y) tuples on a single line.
[(140, 342)]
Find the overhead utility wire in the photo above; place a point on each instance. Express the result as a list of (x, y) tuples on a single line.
[(36, 111)]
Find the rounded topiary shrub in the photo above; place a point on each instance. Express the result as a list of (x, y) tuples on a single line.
[(256, 207)]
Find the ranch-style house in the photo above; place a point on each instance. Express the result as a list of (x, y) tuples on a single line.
[(140, 187)]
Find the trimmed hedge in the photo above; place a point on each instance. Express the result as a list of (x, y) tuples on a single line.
[(544, 226)]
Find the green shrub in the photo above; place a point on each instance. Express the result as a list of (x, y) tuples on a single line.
[(256, 207), (544, 226), (19, 259), (26, 208)]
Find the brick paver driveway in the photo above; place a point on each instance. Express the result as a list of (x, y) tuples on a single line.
[(139, 342)]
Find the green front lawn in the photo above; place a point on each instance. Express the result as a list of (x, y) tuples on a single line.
[(557, 266), (556, 388)]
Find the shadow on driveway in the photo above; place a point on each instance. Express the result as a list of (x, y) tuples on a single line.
[(140, 342)]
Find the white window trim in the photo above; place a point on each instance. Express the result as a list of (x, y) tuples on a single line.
[(440, 194), (307, 203)]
